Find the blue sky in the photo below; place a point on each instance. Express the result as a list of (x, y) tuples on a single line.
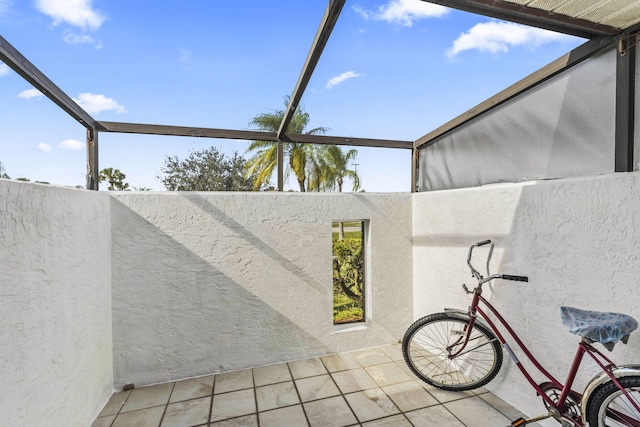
[(392, 69)]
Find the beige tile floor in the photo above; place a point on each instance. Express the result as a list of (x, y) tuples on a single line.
[(364, 388)]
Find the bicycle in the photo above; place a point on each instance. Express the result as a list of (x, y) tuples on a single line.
[(461, 350)]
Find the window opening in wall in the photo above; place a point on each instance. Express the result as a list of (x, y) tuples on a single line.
[(348, 272)]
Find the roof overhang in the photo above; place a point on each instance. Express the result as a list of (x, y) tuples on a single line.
[(583, 18)]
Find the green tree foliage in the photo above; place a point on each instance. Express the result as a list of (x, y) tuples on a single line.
[(265, 157), (328, 168), (348, 280), (206, 170), (316, 167), (337, 162), (115, 178), (348, 269), (3, 173)]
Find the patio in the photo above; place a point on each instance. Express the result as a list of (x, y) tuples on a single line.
[(368, 387), (103, 290), (233, 290)]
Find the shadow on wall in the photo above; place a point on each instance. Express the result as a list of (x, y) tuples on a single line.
[(577, 241), (455, 240), (175, 315), (574, 239), (254, 241)]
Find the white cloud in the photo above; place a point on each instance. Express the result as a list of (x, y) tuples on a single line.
[(93, 103), (30, 93), (496, 37), (404, 12), (72, 38), (44, 147), (71, 144), (4, 69), (334, 81), (4, 6), (78, 13)]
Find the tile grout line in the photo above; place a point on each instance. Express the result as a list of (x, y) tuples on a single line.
[(403, 413), (213, 389), (359, 391), (255, 396), (341, 393), (121, 406), (454, 415), (498, 410), (295, 386), (166, 406)]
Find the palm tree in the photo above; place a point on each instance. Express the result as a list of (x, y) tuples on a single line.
[(337, 169), (319, 176), (115, 178), (265, 159), (337, 164)]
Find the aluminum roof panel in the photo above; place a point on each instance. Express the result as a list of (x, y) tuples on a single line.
[(620, 14)]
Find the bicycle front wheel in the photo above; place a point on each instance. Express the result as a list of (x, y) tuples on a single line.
[(610, 407), (429, 344)]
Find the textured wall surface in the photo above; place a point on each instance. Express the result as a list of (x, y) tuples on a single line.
[(212, 282), (55, 305), (578, 241), (197, 283)]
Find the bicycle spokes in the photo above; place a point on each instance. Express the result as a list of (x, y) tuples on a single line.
[(438, 351), (619, 411), (463, 349)]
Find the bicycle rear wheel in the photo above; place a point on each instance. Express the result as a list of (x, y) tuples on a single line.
[(428, 344), (610, 407)]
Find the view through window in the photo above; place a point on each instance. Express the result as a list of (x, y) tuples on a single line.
[(348, 272)]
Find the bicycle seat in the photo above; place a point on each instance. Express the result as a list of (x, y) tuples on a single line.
[(605, 328)]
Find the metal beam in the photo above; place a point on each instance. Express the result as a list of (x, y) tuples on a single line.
[(93, 180), (150, 129), (280, 159), (625, 107), (415, 153), (147, 129), (353, 142), (531, 16), (329, 20), (21, 65), (561, 64)]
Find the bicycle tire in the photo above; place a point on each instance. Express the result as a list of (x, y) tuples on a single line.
[(607, 401), (424, 348)]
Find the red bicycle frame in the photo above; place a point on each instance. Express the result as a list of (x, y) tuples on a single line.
[(583, 347)]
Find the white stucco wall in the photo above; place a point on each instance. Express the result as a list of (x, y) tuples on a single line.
[(578, 241), (213, 282), (55, 305), (195, 283)]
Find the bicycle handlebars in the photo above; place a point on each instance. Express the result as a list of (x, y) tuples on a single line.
[(515, 278), (479, 276)]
